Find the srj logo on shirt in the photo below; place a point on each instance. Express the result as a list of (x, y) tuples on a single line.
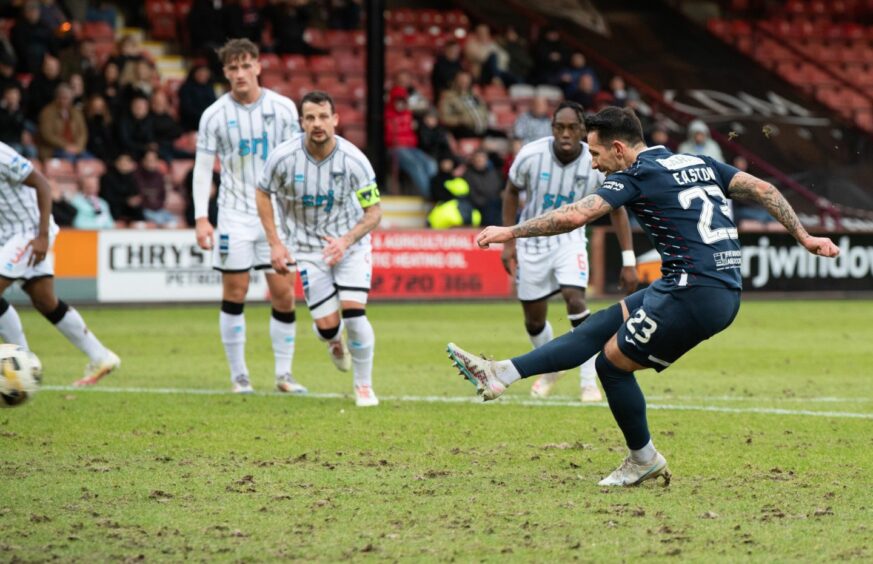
[(556, 200), (256, 147), (320, 200)]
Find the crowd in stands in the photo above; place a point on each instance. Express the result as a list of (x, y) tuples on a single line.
[(111, 132)]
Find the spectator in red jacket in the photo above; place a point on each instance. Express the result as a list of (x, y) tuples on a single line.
[(402, 142)]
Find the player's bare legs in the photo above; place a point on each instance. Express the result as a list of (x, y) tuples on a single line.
[(232, 324), (67, 320), (577, 313), (539, 331), (358, 354), (283, 330)]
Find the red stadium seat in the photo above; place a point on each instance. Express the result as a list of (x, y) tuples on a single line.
[(295, 64), (272, 80), (98, 31), (322, 64), (187, 142), (271, 63), (357, 135)]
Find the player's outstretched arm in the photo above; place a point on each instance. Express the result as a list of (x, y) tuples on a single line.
[(39, 245), (744, 186), (562, 220)]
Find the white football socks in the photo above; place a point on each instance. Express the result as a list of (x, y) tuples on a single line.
[(72, 326), (233, 337), (283, 335), (506, 372), (11, 330), (587, 373), (542, 337), (362, 342), (645, 454)]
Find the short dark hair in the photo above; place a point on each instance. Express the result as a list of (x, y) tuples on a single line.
[(613, 123), (236, 48), (318, 97), (575, 106)]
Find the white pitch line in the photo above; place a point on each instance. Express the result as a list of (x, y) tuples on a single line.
[(509, 400)]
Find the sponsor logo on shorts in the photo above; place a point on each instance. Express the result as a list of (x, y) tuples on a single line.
[(223, 246), (304, 280)]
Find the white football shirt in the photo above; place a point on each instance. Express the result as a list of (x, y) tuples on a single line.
[(19, 212), (549, 184), (319, 199), (243, 137)]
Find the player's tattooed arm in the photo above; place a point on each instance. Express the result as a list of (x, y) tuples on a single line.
[(564, 219), (371, 218), (744, 186)]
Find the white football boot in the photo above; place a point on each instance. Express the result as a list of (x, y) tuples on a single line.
[(95, 371), (479, 371), (544, 384), (242, 385), (365, 396), (287, 384), (631, 473)]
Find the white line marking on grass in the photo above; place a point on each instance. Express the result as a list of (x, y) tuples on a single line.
[(510, 400)]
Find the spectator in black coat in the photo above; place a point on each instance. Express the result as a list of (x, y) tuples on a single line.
[(445, 68), (195, 95), (550, 55), (290, 20), (12, 118), (166, 128), (136, 130), (63, 211), (32, 38), (101, 136), (485, 187), (433, 138), (120, 190), (42, 88), (242, 19), (109, 87), (81, 59)]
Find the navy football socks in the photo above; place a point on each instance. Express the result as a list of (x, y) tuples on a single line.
[(571, 349), (626, 401)]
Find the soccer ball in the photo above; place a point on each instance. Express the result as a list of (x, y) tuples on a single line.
[(20, 375)]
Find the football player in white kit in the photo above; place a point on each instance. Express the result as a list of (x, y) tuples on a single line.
[(241, 128), (27, 231), (328, 201), (554, 171)]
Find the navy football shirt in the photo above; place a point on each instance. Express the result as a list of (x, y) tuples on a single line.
[(681, 204)]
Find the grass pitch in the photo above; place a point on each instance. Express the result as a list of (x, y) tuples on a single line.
[(768, 429)]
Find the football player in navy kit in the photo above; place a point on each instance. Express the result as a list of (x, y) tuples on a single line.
[(681, 203)]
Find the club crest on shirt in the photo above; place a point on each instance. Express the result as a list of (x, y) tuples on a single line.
[(268, 118), (336, 177), (580, 181)]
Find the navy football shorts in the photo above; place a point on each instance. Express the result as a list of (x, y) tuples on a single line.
[(663, 325)]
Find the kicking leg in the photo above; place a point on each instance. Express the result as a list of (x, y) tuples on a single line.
[(67, 320)]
